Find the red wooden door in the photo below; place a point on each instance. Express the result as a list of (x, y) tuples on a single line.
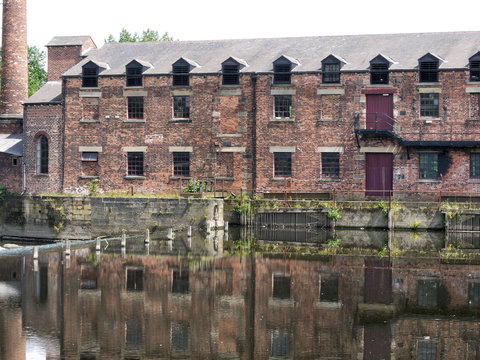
[(379, 174), (380, 111), (378, 281)]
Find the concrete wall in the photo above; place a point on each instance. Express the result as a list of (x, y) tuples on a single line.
[(86, 217)]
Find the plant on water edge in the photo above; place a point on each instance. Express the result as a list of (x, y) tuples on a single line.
[(334, 213), (334, 243), (415, 225), (243, 204), (3, 192), (384, 252), (93, 186), (382, 205), (192, 187)]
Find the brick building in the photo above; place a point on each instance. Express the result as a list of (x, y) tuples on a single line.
[(369, 113)]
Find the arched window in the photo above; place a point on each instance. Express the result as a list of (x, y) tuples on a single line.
[(42, 155)]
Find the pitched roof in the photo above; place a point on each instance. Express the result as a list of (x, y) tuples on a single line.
[(357, 50), (51, 92), (11, 144), (69, 40)]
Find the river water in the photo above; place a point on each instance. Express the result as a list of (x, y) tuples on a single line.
[(300, 296)]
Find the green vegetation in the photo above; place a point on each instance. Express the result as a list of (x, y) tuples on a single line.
[(382, 205), (93, 187), (193, 186), (147, 35), (334, 213), (3, 192)]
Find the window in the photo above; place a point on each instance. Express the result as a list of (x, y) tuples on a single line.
[(180, 282), (427, 350), (281, 287), (90, 156), (429, 105), (283, 106), (181, 107), (282, 164), (429, 166), (42, 155), (231, 75), (331, 73), (179, 337), (474, 295), (135, 164), (329, 287), (135, 107), (181, 75), (474, 64), (331, 165), (280, 343), (282, 73), (181, 164), (475, 166), (90, 75), (379, 73), (134, 279), (429, 71), (134, 74), (428, 293), (14, 161)]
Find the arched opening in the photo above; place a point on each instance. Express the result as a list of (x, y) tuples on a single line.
[(42, 155)]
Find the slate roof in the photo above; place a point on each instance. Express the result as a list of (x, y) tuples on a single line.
[(68, 40), (11, 144), (51, 92), (357, 50)]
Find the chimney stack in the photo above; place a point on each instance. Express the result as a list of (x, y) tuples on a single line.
[(14, 59)]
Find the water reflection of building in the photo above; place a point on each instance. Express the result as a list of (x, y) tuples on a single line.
[(247, 307)]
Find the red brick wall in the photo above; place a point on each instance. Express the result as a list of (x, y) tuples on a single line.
[(45, 120), (217, 120), (11, 174), (9, 127), (62, 58)]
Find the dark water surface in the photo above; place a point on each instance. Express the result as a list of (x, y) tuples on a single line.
[(216, 299)]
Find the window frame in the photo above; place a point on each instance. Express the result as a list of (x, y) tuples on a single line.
[(379, 74), (282, 73), (230, 74), (135, 163), (428, 70), (428, 161), (474, 166), (134, 75), (181, 164), (282, 164), (135, 108), (42, 155), (181, 107), (474, 67), (181, 74), (280, 103), (86, 159), (330, 171), (90, 73), (428, 108)]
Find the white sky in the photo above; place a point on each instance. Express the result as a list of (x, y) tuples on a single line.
[(220, 19)]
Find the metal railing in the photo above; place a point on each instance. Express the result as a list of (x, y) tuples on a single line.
[(375, 121)]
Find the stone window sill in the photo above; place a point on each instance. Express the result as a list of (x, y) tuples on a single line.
[(181, 87), (473, 119), (41, 175), (90, 88), (280, 302), (88, 177), (226, 178), (180, 120), (282, 120), (135, 121), (330, 179), (331, 85), (180, 178), (281, 178), (473, 181), (330, 120), (329, 305), (133, 87), (429, 84), (230, 86), (129, 177), (428, 181), (429, 118), (282, 85), (90, 121)]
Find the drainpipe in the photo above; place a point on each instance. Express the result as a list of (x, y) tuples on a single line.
[(62, 132), (254, 133), (24, 150)]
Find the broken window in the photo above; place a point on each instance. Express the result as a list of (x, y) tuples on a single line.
[(135, 164), (429, 166), (331, 165), (429, 105), (283, 106), (181, 164), (282, 164), (181, 107)]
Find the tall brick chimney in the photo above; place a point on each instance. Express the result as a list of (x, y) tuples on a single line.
[(14, 59)]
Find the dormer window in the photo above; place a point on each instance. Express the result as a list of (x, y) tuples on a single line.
[(134, 74), (181, 71), (90, 75), (231, 75), (282, 70), (331, 66), (379, 70), (474, 65), (428, 66)]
